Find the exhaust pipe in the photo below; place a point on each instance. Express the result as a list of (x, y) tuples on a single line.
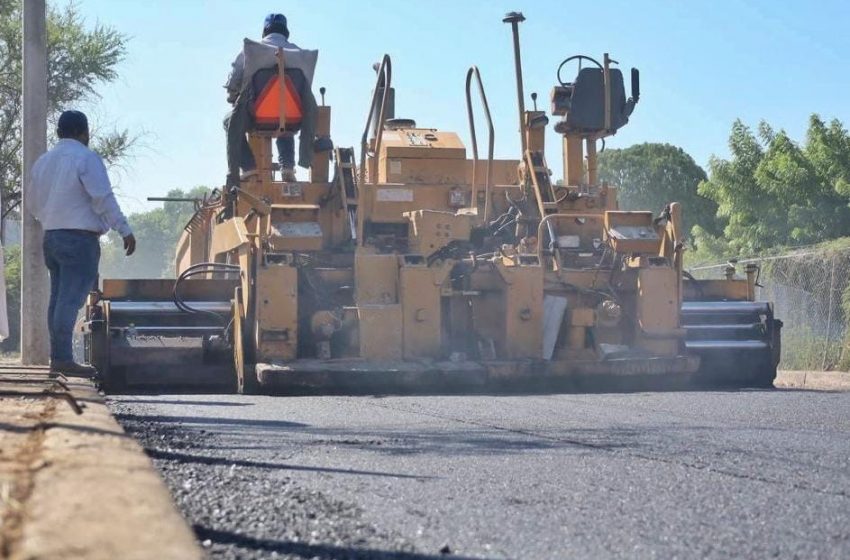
[(515, 18)]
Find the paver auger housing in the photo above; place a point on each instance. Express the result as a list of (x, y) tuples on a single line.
[(420, 268)]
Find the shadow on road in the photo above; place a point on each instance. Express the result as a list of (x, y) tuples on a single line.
[(217, 433), (124, 417), (207, 460), (184, 402), (305, 550)]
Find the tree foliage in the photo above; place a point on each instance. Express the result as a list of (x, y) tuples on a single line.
[(157, 232), (775, 192), (79, 59), (649, 176), (12, 264)]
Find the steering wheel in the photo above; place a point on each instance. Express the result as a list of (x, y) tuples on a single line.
[(578, 57)]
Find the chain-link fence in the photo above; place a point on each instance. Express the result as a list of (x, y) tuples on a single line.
[(811, 293)]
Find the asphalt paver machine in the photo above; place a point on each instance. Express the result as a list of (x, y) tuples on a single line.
[(420, 266)]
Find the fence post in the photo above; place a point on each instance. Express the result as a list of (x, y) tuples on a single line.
[(829, 314)]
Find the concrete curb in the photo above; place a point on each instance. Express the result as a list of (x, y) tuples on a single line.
[(94, 494), (816, 380)]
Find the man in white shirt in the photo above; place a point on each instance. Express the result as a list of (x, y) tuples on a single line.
[(72, 198)]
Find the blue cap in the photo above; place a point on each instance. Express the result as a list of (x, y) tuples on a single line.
[(71, 123), (276, 23)]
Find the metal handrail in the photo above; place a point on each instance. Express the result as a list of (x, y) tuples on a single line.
[(385, 72), (473, 71)]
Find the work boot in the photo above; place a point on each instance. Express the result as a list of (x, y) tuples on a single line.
[(73, 369), (323, 144), (287, 174), (248, 174)]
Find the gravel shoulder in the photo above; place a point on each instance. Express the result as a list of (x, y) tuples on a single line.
[(248, 508)]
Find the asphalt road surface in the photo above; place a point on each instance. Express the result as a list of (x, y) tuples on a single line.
[(752, 474)]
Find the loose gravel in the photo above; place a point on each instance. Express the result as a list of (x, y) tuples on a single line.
[(246, 510)]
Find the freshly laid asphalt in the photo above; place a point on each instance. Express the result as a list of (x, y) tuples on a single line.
[(752, 474)]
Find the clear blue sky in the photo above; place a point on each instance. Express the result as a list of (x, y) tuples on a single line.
[(702, 64)]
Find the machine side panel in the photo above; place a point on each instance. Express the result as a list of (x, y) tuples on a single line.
[(657, 310), (523, 311), (319, 168), (277, 312), (376, 279), (380, 332), (715, 290), (420, 297)]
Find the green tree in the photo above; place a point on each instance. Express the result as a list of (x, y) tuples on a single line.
[(773, 192), (157, 233), (651, 175), (79, 59), (12, 263)]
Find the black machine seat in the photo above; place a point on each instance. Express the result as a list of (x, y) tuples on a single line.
[(584, 102), (266, 88)]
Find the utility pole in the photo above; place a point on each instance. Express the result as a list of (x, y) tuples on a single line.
[(35, 286)]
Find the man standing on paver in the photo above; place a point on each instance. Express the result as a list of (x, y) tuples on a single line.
[(241, 94), (73, 199)]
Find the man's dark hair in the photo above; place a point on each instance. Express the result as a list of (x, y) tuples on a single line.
[(276, 23), (72, 124)]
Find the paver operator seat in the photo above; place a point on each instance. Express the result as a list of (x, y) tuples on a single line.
[(266, 108), (582, 101), (262, 63)]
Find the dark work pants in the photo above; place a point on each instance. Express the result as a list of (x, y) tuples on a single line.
[(239, 153), (238, 150), (286, 151), (72, 258)]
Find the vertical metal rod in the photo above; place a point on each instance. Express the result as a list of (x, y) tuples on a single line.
[(385, 74), (573, 160), (590, 149), (35, 290), (606, 71), (515, 18), (472, 136), (382, 119), (491, 141), (829, 316)]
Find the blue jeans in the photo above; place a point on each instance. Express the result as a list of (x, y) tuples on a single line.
[(286, 151), (72, 258)]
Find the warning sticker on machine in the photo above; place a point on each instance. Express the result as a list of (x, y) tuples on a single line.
[(395, 195), (297, 229)]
